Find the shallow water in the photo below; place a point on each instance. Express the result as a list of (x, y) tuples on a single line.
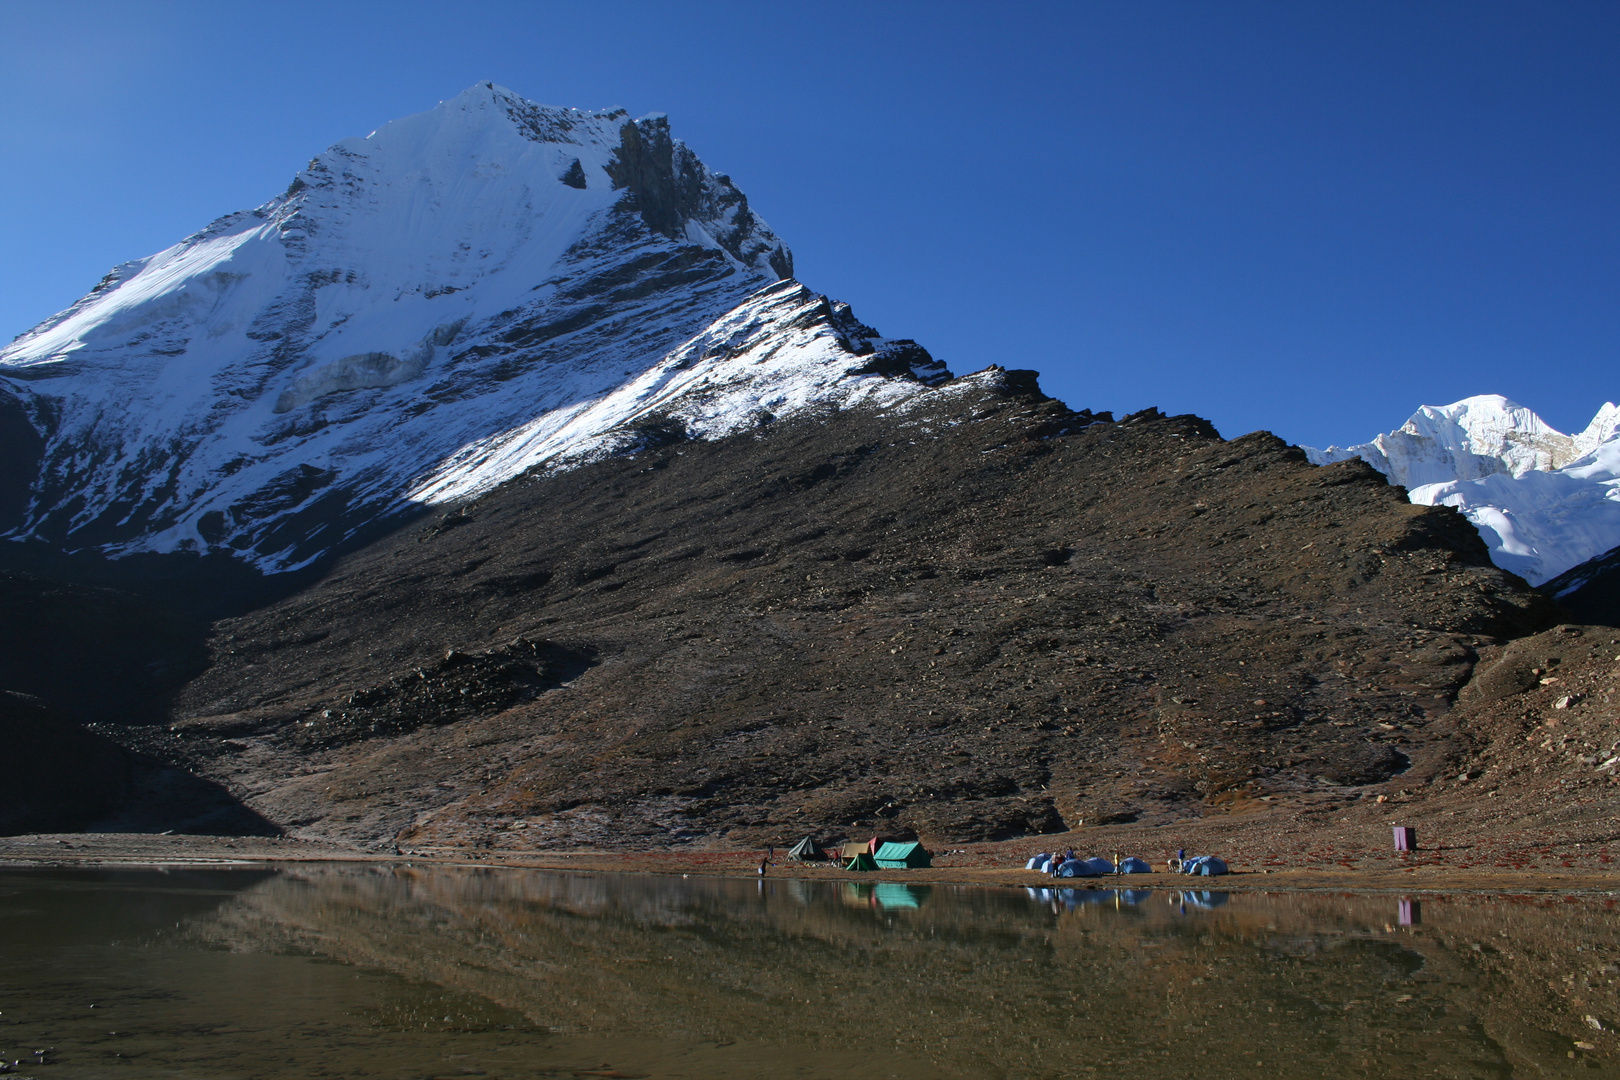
[(366, 971)]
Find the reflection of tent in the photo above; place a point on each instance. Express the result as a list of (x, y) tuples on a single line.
[(863, 861), (807, 850), (894, 895), (911, 856)]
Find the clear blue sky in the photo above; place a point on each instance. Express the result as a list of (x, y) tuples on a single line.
[(1307, 217)]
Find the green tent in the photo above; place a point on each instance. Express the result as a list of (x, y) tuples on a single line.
[(807, 850), (863, 861), (911, 856)]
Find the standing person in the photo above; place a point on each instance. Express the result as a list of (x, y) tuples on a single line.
[(770, 853), (762, 864)]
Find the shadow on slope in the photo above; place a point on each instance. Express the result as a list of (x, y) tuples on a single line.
[(62, 777), (1590, 591)]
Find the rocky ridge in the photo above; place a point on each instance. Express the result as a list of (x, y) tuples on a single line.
[(973, 614)]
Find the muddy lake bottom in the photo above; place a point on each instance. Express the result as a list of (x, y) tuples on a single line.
[(392, 970)]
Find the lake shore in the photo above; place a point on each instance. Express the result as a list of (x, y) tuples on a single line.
[(999, 863)]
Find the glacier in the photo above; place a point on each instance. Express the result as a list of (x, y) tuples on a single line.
[(1543, 501), (461, 296)]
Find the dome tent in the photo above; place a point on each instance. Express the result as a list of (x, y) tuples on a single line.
[(807, 850)]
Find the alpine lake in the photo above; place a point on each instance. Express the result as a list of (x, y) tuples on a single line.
[(392, 970)]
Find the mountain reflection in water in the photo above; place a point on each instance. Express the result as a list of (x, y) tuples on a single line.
[(422, 972)]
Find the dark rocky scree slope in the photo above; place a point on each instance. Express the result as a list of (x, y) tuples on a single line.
[(985, 616)]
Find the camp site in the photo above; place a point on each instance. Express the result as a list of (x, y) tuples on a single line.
[(874, 853)]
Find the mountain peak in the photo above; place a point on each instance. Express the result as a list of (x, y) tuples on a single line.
[(1478, 436), (491, 281)]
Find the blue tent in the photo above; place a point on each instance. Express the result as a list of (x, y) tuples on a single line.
[(1134, 865), (1205, 865)]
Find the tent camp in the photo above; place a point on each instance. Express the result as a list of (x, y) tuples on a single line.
[(862, 861), (907, 856), (807, 850)]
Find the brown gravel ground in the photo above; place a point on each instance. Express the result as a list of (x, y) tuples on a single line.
[(1261, 859)]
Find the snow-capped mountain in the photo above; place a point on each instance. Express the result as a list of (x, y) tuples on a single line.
[(424, 313), (1543, 501)]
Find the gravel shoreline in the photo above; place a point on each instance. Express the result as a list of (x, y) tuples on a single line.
[(984, 864)]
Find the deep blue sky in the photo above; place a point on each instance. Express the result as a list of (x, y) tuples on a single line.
[(1310, 217)]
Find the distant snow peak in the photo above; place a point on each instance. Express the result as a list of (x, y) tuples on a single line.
[(1543, 501), (1468, 439), (424, 313)]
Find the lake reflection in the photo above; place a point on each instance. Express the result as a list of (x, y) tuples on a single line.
[(393, 971)]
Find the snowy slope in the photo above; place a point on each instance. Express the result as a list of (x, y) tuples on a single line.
[(1543, 501), (425, 312)]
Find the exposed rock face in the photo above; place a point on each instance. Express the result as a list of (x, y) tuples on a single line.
[(672, 187), (974, 613)]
